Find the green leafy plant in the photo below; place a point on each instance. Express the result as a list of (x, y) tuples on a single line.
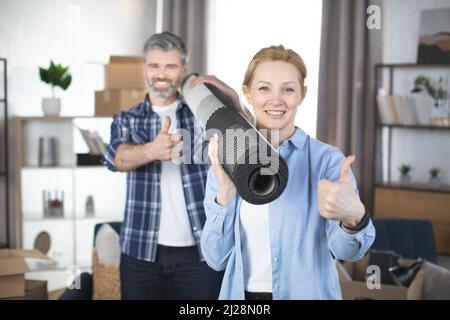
[(405, 169), (56, 75), (434, 172), (423, 83)]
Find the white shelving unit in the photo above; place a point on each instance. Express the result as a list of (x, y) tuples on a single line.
[(4, 163), (71, 235)]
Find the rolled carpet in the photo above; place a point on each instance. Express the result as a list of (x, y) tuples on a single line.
[(253, 164)]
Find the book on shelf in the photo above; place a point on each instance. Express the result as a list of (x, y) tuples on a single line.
[(411, 110), (93, 141), (385, 111), (99, 144), (396, 109), (405, 109)]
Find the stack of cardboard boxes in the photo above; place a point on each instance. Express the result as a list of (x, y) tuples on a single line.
[(13, 266), (124, 86)]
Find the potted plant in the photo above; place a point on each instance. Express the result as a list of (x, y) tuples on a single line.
[(57, 76), (440, 112), (435, 180), (405, 177)]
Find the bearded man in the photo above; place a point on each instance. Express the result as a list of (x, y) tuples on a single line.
[(164, 215)]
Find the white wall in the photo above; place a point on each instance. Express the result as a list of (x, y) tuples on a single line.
[(402, 25), (71, 32), (421, 149), (238, 29)]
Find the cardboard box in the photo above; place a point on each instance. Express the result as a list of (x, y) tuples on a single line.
[(110, 101), (125, 73), (12, 269), (354, 286), (34, 290), (13, 265)]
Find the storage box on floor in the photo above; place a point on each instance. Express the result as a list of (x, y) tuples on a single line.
[(124, 85), (352, 279), (34, 290), (12, 275)]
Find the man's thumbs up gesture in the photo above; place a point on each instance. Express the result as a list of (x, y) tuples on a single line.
[(167, 146), (338, 200)]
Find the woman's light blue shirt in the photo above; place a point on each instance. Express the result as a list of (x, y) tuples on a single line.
[(301, 240)]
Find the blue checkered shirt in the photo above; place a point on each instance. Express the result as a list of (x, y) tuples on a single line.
[(140, 228)]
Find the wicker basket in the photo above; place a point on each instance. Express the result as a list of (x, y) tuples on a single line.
[(106, 280)]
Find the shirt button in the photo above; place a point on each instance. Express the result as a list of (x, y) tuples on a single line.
[(275, 259), (276, 286), (195, 228)]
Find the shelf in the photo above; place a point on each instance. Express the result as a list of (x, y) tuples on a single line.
[(71, 218), (91, 167), (46, 168), (40, 219), (415, 187), (411, 65), (62, 167), (115, 218), (58, 118), (415, 126)]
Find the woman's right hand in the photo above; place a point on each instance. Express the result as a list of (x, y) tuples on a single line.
[(227, 91), (226, 191)]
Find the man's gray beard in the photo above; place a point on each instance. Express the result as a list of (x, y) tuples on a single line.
[(169, 92)]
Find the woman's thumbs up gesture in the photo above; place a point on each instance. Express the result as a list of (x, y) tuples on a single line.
[(338, 200)]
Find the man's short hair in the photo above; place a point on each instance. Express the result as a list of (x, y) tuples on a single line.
[(167, 41)]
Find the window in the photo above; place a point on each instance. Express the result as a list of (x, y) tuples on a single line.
[(238, 29)]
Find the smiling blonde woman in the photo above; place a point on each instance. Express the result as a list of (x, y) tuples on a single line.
[(284, 249)]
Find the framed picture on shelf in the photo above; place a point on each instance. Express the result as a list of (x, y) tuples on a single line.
[(434, 38)]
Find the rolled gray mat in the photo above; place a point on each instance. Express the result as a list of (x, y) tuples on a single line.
[(253, 164)]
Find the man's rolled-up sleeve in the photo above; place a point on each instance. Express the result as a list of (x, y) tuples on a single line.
[(120, 133)]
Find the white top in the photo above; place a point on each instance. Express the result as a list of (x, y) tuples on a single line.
[(174, 226), (255, 244)]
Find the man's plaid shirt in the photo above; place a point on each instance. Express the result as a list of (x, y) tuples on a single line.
[(140, 228)]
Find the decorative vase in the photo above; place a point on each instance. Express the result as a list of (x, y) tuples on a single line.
[(440, 115), (435, 182), (90, 208), (405, 180), (51, 106)]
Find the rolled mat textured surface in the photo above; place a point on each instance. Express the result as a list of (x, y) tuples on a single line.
[(255, 167)]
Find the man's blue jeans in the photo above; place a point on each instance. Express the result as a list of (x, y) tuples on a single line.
[(177, 274)]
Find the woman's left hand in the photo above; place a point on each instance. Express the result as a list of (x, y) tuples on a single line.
[(338, 200)]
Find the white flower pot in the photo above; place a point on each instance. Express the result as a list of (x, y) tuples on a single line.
[(51, 106), (435, 182), (405, 180)]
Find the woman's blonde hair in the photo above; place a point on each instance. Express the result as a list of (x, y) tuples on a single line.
[(275, 53)]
